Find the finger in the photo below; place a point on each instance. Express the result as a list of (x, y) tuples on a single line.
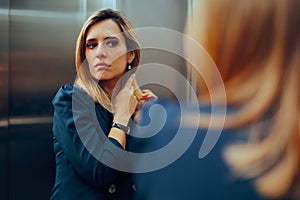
[(137, 92), (131, 90), (133, 102), (149, 95), (146, 91)]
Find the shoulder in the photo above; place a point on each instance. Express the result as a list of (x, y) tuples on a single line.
[(64, 91), (68, 94)]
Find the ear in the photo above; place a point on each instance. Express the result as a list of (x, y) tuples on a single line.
[(130, 56)]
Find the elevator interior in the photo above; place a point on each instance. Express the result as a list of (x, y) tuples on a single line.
[(37, 45)]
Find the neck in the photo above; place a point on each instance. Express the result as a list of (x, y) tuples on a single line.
[(108, 86)]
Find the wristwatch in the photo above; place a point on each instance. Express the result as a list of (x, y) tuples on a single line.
[(126, 129)]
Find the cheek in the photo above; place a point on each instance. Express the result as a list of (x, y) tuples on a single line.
[(121, 62), (88, 61), (117, 54), (87, 57)]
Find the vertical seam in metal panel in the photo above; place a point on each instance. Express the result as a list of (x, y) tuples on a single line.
[(84, 9), (192, 78), (114, 4), (189, 70)]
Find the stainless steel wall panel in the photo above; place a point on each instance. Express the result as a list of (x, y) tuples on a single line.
[(4, 62), (166, 14), (42, 58), (31, 166), (94, 5), (4, 74), (61, 6), (169, 14), (42, 46), (4, 171)]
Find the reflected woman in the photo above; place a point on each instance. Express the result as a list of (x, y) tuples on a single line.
[(96, 103)]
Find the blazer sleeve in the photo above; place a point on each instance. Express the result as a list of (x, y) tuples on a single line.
[(79, 134)]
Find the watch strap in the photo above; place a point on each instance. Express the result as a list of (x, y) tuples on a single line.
[(126, 129)]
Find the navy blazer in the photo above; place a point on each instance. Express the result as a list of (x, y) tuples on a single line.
[(78, 147), (190, 177)]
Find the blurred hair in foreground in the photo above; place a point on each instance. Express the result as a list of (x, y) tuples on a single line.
[(255, 45)]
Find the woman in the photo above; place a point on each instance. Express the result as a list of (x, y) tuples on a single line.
[(256, 47), (106, 49)]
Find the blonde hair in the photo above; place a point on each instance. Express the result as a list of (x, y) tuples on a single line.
[(85, 79), (256, 49)]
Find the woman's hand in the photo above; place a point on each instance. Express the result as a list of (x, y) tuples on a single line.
[(125, 103), (148, 95)]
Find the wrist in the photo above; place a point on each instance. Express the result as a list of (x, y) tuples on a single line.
[(121, 120), (118, 135)]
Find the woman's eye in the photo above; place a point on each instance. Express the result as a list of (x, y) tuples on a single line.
[(111, 43), (91, 45)]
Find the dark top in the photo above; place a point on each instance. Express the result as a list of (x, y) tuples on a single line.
[(190, 177), (80, 144)]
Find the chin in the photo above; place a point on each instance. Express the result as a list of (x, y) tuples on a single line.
[(99, 76)]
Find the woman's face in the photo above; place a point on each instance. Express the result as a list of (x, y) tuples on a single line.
[(106, 52)]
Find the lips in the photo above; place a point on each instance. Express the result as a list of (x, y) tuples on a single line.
[(101, 66)]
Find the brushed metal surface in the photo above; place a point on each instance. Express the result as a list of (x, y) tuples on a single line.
[(42, 37), (4, 80)]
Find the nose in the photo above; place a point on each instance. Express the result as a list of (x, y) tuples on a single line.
[(101, 51)]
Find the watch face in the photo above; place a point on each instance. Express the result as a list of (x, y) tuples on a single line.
[(126, 129)]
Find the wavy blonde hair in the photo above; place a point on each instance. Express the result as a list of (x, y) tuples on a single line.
[(255, 45), (85, 79)]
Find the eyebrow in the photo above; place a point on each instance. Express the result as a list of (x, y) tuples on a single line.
[(106, 38)]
